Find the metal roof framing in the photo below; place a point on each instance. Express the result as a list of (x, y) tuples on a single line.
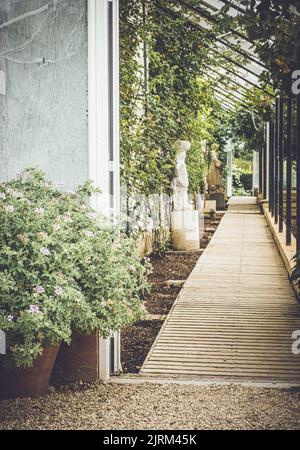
[(178, 13), (245, 77), (204, 13), (230, 94)]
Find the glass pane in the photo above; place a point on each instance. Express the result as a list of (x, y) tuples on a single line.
[(43, 88)]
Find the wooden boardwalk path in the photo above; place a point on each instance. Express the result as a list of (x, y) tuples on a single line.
[(236, 313)]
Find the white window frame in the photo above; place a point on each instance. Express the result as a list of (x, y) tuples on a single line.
[(99, 126)]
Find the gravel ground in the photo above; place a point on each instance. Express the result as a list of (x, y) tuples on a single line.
[(148, 406)]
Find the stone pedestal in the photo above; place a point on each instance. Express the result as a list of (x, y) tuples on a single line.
[(185, 230), (219, 197), (210, 205)]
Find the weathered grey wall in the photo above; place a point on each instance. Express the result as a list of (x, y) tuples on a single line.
[(43, 88)]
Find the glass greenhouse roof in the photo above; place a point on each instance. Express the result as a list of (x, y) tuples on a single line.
[(240, 67)]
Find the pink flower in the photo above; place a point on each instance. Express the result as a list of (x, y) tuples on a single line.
[(38, 290), (9, 208), (45, 251), (92, 215), (67, 218), (58, 290), (56, 227), (10, 318), (88, 233), (34, 309), (39, 211), (17, 194)]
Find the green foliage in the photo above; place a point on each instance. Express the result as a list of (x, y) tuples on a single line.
[(244, 164), (62, 267), (146, 124), (247, 123), (242, 176), (207, 128), (274, 26), (295, 276), (168, 102), (241, 182)]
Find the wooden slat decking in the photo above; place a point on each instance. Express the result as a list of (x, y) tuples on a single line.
[(235, 316)]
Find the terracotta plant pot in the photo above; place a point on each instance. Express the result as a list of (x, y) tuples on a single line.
[(32, 381), (78, 361)]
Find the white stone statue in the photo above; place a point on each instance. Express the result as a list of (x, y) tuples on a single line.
[(180, 183)]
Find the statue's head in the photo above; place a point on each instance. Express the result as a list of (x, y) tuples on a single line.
[(215, 150), (182, 146)]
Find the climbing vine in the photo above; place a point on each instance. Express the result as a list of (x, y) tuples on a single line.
[(166, 99), (247, 122), (274, 27)]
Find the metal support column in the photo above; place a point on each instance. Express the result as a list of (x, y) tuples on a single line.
[(261, 169), (271, 168), (298, 172), (264, 157), (276, 162), (289, 170), (281, 157)]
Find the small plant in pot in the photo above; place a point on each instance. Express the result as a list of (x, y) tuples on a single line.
[(61, 269)]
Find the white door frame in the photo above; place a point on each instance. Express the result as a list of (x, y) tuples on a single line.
[(103, 128)]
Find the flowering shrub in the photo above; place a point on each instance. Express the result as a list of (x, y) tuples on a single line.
[(62, 267)]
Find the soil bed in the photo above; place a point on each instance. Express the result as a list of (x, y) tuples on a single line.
[(137, 339)]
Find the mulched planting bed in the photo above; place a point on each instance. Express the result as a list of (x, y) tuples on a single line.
[(137, 340)]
